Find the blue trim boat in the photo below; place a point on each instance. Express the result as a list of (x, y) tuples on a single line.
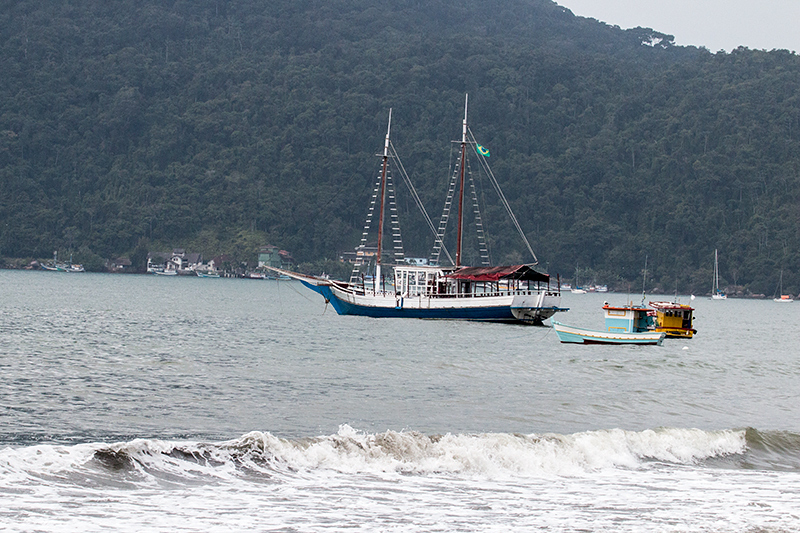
[(493, 294), (629, 324), (516, 293)]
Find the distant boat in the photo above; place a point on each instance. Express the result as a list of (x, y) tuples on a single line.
[(628, 324), (55, 266), (207, 274), (73, 267), (717, 294), (578, 289), (165, 272), (784, 298)]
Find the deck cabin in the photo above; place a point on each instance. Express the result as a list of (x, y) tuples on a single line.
[(674, 319), (468, 282), (627, 319)]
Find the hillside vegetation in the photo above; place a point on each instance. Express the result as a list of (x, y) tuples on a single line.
[(217, 125)]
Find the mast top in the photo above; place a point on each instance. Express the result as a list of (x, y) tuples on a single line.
[(388, 130), (464, 128)]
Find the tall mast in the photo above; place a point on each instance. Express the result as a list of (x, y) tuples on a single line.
[(382, 196), (461, 185)]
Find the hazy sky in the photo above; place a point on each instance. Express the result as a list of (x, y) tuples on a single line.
[(715, 24)]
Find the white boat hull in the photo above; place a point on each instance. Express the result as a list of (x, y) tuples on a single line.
[(526, 306), (515, 306)]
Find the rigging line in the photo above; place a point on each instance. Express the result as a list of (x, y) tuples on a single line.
[(354, 275), (438, 244), (480, 185), (503, 199), (417, 199), (298, 292), (479, 228), (397, 238)]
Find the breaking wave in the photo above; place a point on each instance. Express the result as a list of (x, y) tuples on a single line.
[(492, 455)]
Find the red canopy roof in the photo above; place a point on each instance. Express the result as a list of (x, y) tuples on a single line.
[(521, 272)]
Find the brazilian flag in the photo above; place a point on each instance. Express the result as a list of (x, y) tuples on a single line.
[(481, 150)]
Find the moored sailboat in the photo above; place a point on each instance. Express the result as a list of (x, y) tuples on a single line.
[(779, 296), (513, 293), (717, 294)]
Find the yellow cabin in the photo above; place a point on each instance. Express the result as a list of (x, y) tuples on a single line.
[(674, 319)]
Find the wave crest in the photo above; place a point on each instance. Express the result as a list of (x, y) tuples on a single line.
[(264, 456), (491, 453)]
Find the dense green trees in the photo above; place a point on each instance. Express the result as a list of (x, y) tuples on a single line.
[(215, 124)]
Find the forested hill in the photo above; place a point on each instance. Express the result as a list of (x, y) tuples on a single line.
[(220, 125)]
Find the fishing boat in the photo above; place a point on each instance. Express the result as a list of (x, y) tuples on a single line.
[(627, 324), (674, 319), (55, 266), (207, 273), (73, 267), (717, 294), (514, 293)]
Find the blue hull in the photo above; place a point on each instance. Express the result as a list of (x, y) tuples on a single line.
[(486, 314)]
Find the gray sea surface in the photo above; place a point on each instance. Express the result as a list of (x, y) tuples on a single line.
[(87, 355)]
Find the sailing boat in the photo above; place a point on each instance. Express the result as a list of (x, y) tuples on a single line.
[(787, 298), (577, 288), (515, 293), (717, 294)]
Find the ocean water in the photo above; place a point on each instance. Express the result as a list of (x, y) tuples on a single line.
[(145, 403)]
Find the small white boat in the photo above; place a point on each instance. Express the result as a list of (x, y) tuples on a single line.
[(627, 324), (717, 294), (207, 274), (784, 298), (165, 272)]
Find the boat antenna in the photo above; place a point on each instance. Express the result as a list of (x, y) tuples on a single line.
[(644, 279)]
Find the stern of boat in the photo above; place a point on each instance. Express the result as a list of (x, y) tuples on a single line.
[(534, 307)]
